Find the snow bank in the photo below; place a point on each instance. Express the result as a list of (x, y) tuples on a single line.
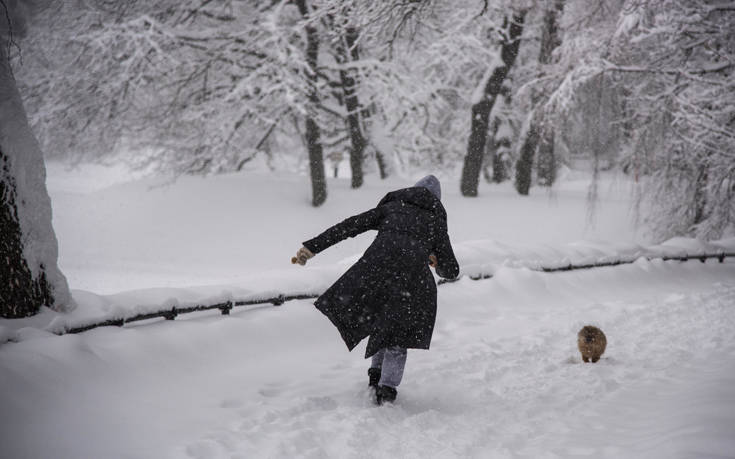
[(478, 259)]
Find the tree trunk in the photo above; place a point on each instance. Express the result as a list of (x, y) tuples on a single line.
[(316, 163), (546, 164), (496, 148), (524, 166), (546, 161), (312, 134), (481, 110), (546, 167), (700, 195), (28, 267), (382, 165), (500, 171), (550, 34), (353, 106)]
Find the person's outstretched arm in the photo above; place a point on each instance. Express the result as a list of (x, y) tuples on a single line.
[(446, 264), (349, 227)]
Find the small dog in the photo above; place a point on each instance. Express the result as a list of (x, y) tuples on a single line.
[(591, 343)]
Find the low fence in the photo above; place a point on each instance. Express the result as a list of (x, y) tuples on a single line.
[(605, 264), (170, 314), (227, 306)]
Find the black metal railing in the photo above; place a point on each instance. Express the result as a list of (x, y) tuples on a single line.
[(279, 299), (720, 256), (171, 313)]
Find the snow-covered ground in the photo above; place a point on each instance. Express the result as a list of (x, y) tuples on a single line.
[(503, 377), (117, 235)]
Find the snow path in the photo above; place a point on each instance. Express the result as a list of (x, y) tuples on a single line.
[(503, 378), (484, 393)]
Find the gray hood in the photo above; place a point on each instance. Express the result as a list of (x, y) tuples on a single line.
[(432, 184)]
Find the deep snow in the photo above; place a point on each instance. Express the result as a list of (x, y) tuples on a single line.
[(503, 377)]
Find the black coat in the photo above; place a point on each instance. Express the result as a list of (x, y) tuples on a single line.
[(390, 293)]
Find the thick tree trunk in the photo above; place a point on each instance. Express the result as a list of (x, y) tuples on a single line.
[(29, 275), (17, 289), (353, 107), (312, 134), (481, 110)]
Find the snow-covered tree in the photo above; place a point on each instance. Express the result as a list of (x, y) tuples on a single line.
[(175, 82), (491, 89), (203, 86), (677, 60), (197, 85), (28, 267), (649, 85)]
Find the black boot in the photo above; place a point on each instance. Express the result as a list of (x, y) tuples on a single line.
[(374, 375), (385, 394)]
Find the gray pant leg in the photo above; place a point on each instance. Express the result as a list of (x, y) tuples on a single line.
[(394, 361)]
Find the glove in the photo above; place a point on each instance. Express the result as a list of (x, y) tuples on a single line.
[(301, 256), (433, 261)]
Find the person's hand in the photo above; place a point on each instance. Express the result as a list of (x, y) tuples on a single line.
[(433, 261), (301, 256)]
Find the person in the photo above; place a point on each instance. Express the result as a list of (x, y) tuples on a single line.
[(389, 294)]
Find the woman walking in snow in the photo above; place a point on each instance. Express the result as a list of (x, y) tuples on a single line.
[(390, 293)]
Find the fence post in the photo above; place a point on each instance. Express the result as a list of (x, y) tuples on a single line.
[(170, 315), (225, 308)]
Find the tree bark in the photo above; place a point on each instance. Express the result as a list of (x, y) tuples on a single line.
[(524, 166), (349, 85), (382, 165), (29, 275), (313, 133), (17, 290), (700, 195), (481, 110), (550, 40), (550, 34)]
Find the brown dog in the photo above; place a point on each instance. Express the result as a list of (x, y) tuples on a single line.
[(591, 343)]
